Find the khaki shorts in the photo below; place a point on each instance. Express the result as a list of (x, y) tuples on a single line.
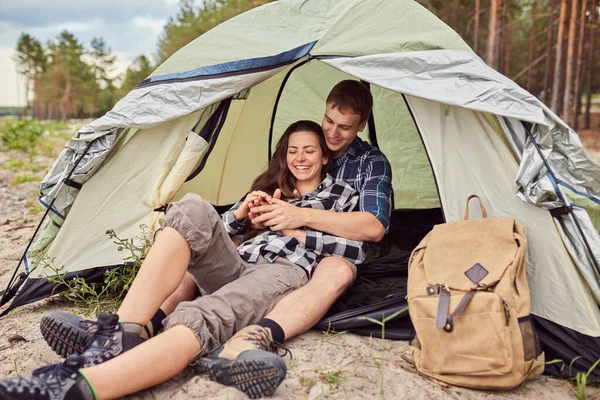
[(233, 292)]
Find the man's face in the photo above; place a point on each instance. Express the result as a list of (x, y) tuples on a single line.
[(340, 129)]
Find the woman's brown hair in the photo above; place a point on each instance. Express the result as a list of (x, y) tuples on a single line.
[(278, 175)]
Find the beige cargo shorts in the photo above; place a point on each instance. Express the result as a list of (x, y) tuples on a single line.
[(233, 292)]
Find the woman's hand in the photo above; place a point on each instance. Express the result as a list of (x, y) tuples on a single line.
[(261, 202), (298, 234), (253, 198)]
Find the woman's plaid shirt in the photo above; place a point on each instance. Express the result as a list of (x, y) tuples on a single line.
[(330, 195)]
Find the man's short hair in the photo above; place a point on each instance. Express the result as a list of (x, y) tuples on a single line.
[(351, 96)]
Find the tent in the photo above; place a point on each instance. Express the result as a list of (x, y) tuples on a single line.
[(207, 120)]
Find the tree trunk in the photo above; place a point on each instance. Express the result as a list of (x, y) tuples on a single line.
[(65, 104), (35, 110), (558, 63), (505, 38), (492, 45), (579, 64), (567, 112), (531, 47), (590, 63), (476, 29), (549, 59)]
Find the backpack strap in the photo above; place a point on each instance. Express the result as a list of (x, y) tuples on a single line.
[(444, 321), (483, 211)]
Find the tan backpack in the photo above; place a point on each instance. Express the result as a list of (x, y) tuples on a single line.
[(469, 303)]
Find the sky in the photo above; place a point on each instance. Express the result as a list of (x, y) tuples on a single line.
[(129, 28)]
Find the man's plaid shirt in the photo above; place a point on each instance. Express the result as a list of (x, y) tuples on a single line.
[(366, 169), (330, 195)]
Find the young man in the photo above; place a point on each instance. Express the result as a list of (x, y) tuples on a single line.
[(360, 165)]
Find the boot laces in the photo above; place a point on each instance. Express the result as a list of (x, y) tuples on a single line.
[(51, 378), (98, 330), (263, 341)]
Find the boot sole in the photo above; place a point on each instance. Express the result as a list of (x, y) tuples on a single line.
[(62, 337), (256, 378)]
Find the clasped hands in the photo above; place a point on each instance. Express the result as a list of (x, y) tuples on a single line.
[(270, 212)]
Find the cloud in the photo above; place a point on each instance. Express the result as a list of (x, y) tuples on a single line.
[(33, 13), (129, 28), (12, 85)]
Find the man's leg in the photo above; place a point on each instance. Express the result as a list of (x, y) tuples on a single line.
[(302, 309), (186, 291), (161, 273)]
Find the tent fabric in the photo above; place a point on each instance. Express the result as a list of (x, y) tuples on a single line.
[(121, 196), (342, 27)]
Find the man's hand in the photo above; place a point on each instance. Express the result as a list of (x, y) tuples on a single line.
[(257, 197), (299, 234), (279, 215)]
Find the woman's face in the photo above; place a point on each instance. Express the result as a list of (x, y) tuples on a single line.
[(304, 156)]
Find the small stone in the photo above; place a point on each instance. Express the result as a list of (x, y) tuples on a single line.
[(14, 338)]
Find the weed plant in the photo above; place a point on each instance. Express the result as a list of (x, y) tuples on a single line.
[(108, 294), (384, 320), (581, 380)]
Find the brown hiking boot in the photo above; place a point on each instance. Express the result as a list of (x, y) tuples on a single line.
[(246, 361)]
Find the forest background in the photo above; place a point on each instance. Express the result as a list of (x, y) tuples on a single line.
[(547, 46)]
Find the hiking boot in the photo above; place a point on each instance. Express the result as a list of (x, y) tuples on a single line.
[(246, 361), (64, 332), (60, 381), (98, 341)]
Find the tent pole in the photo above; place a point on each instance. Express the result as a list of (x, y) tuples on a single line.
[(569, 209), (285, 79), (10, 292), (437, 186)]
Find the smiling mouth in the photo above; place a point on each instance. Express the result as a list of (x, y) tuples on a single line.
[(334, 141), (301, 168)]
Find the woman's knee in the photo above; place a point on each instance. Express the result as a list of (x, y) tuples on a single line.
[(335, 273)]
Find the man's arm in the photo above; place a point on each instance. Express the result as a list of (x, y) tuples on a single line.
[(358, 225)]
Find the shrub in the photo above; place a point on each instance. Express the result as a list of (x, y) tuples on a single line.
[(21, 135)]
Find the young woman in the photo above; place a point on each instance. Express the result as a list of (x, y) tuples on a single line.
[(238, 287)]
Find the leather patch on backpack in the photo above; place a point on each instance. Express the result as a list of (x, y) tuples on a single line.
[(476, 273)]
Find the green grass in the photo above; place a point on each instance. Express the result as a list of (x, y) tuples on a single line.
[(15, 164), (384, 320), (581, 380), (333, 377), (34, 207), (18, 179), (307, 382)]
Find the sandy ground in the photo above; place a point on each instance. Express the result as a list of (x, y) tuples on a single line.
[(343, 366)]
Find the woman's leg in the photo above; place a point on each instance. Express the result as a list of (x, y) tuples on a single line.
[(161, 273), (152, 362)]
